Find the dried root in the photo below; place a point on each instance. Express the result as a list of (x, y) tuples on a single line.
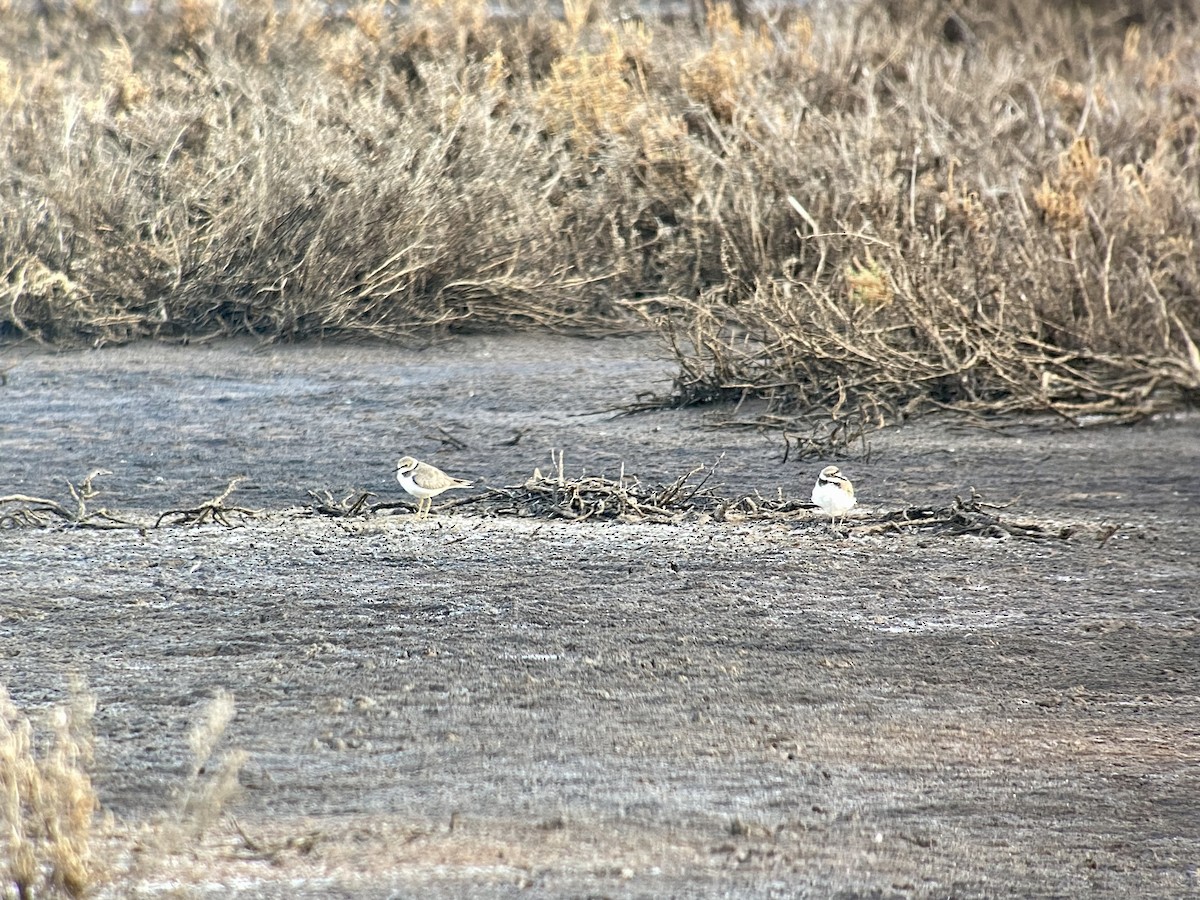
[(213, 510), (23, 511)]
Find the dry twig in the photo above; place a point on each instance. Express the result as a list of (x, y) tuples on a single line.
[(23, 511), (353, 504), (972, 516), (213, 510), (627, 499)]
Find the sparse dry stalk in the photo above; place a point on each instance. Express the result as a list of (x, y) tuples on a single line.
[(212, 796), (196, 20), (47, 805), (208, 729), (211, 786)]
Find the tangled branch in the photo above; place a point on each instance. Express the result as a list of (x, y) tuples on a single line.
[(24, 511), (213, 510)]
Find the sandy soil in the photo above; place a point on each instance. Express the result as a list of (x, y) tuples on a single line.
[(487, 707)]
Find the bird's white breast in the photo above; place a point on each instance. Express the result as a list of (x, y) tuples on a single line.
[(409, 484), (832, 499)]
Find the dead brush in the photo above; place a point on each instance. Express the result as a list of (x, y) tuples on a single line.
[(851, 219), (1033, 278), (214, 510), (828, 376), (725, 74), (47, 803), (24, 511), (48, 826), (592, 497), (692, 497), (973, 517), (353, 504), (266, 193)]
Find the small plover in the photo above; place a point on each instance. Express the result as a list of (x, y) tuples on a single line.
[(833, 493), (424, 482)]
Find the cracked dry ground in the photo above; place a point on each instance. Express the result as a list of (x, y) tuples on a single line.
[(493, 707)]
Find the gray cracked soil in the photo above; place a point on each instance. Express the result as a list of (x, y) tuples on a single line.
[(475, 706)]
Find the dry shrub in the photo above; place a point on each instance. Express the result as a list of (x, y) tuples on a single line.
[(47, 803), (1005, 197), (24, 511), (48, 823), (588, 98), (1046, 271), (693, 497), (313, 188), (595, 497), (722, 76), (1064, 200), (833, 365)]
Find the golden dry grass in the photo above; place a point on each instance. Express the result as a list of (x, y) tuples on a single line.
[(47, 803), (1005, 205), (50, 830)]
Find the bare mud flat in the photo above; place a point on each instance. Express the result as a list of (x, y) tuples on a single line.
[(475, 706)]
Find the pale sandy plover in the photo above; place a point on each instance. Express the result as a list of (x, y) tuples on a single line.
[(833, 493), (424, 482)]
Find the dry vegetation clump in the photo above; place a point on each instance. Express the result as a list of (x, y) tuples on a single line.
[(972, 516), (558, 496), (691, 497), (47, 803), (213, 510), (24, 511), (987, 216), (595, 497), (854, 216), (207, 168), (694, 497), (53, 843)]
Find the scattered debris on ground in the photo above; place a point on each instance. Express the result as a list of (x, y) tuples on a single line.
[(213, 510), (23, 511), (972, 516), (692, 497)]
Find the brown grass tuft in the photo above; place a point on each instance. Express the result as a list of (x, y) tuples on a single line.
[(1063, 199), (47, 802), (48, 826), (588, 98)]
